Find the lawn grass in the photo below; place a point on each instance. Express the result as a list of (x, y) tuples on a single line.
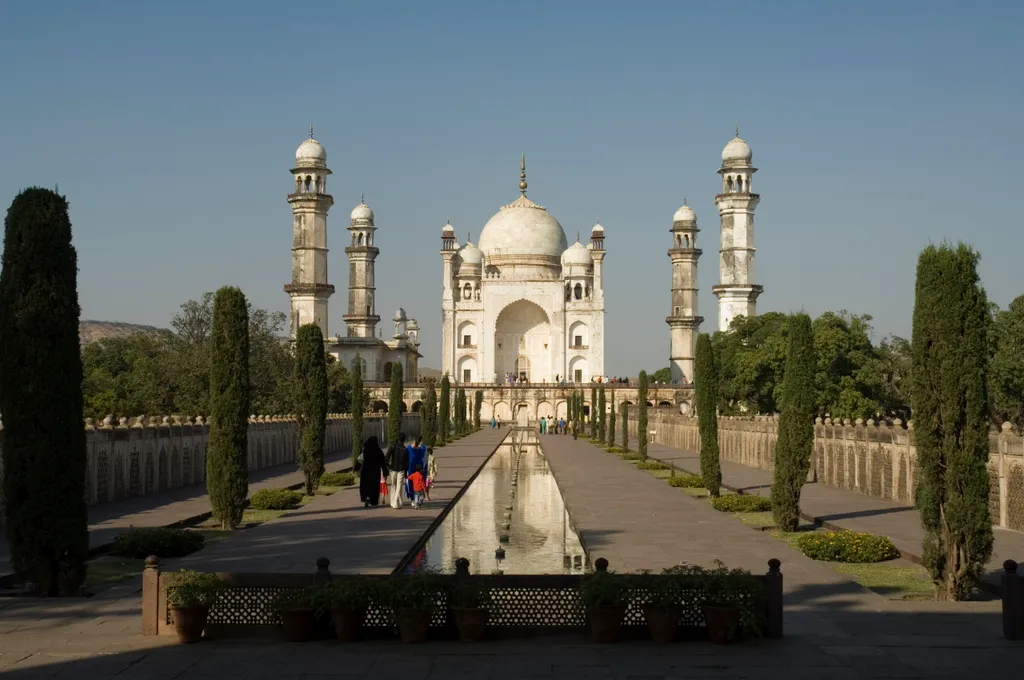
[(895, 579), (758, 520), (107, 570)]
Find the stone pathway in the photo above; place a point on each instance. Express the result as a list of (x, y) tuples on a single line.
[(183, 505), (841, 509), (355, 539)]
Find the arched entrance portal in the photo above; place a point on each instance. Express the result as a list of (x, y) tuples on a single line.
[(523, 343)]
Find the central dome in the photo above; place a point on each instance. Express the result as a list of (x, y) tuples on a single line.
[(523, 228)]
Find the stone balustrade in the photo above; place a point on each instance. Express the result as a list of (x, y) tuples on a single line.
[(138, 456), (873, 458)]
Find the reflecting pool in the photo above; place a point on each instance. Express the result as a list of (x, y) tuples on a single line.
[(540, 537)]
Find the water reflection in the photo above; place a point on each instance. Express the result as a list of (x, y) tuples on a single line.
[(541, 539)]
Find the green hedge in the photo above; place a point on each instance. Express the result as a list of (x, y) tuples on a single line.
[(338, 479), (275, 499), (847, 546), (652, 465), (686, 481), (160, 541), (738, 503), (629, 456)]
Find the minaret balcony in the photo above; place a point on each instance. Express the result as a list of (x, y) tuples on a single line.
[(310, 196), (695, 252), (369, 250), (693, 322), (579, 347), (313, 289)]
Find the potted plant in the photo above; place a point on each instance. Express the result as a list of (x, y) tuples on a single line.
[(347, 600), (725, 591), (661, 606), (605, 596), (189, 600), (413, 599), (469, 606), (297, 610)]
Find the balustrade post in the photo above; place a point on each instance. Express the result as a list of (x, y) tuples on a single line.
[(1013, 602), (323, 571), (773, 598), (151, 596)]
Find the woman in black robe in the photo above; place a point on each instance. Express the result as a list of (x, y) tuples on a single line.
[(374, 466)]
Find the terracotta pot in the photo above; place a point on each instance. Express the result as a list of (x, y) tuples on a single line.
[(471, 622), (189, 622), (298, 625), (662, 622), (348, 623), (606, 622), (722, 622), (413, 624)]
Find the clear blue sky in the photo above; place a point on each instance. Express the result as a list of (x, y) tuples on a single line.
[(878, 127)]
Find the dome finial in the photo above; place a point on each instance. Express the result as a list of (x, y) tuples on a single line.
[(737, 128), (311, 129), (577, 236), (522, 175), (684, 200), (361, 201)]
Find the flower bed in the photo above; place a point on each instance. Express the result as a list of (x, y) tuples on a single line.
[(741, 503), (686, 481), (847, 546)]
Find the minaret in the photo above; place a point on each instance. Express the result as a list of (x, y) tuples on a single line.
[(597, 252), (309, 289), (449, 247), (684, 321), (736, 291), (362, 316)]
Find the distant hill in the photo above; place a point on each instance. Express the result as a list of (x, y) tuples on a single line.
[(427, 372), (92, 331)]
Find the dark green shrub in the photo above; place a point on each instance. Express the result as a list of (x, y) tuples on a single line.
[(194, 589), (338, 479), (706, 379), (358, 408), (741, 503), (652, 465), (165, 543), (428, 421), (44, 454), (846, 546), (593, 413), (641, 418), (227, 473), (686, 481), (395, 403), (444, 411), (796, 424), (627, 455), (478, 402), (275, 499), (625, 427), (311, 402), (602, 415)]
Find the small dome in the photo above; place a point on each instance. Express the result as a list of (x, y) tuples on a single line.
[(736, 150), (598, 230), (447, 229), (412, 325), (400, 315), (362, 212), (685, 214), (469, 254), (577, 255), (310, 152)]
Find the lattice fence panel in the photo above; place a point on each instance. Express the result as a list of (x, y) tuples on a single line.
[(993, 493), (175, 468), (162, 467), (1015, 498), (536, 607), (186, 464), (135, 474), (120, 490), (102, 477), (885, 460), (150, 475)]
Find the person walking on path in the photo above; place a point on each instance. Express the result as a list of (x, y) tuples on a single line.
[(398, 464), (561, 425), (543, 425), (419, 486), (431, 470), (493, 423), (417, 458), (373, 470)]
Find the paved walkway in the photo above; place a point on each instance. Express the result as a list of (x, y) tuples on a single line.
[(184, 505), (838, 508), (355, 539)]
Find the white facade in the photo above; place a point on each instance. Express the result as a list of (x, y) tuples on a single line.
[(737, 293), (522, 301)]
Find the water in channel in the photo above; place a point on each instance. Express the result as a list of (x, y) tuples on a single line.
[(541, 539)]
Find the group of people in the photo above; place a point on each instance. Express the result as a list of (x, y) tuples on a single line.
[(407, 470), (553, 425)]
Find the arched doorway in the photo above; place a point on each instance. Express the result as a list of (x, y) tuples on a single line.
[(523, 343)]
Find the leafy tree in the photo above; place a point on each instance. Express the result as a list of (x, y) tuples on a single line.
[(796, 425), (751, 356), (641, 420), (460, 411), (339, 386), (601, 425), (662, 375), (951, 417), (311, 401), (706, 379), (227, 474), (625, 426), (478, 402), (593, 413), (444, 411), (428, 424), (44, 450), (612, 416), (1007, 367), (395, 403), (359, 402)]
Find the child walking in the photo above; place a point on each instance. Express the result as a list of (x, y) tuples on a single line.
[(419, 487), (431, 470)]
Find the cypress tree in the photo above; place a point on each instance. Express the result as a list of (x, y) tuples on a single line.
[(593, 413), (612, 416), (795, 444), (625, 427), (949, 396), (227, 474), (641, 418), (460, 410), (395, 403), (444, 411), (358, 408), (601, 415), (44, 450), (311, 402), (428, 421), (478, 402), (706, 378)]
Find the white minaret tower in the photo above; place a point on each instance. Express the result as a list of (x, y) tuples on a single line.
[(309, 289), (449, 248), (737, 293), (362, 316), (684, 321)]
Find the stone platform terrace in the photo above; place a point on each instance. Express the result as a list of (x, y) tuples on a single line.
[(355, 539)]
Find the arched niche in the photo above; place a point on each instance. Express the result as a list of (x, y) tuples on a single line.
[(579, 335), (579, 370), (467, 370), (522, 342), (467, 337)]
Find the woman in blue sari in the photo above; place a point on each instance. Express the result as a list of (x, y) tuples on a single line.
[(417, 456)]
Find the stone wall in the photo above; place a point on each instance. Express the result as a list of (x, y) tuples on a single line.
[(877, 459), (147, 455)]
